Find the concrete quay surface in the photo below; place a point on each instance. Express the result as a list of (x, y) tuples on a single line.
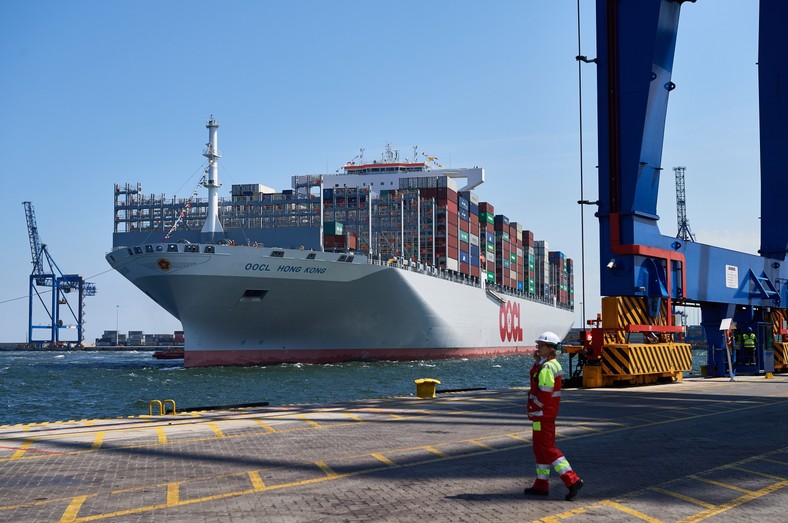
[(697, 450)]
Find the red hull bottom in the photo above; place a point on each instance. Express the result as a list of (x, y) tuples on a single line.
[(208, 358)]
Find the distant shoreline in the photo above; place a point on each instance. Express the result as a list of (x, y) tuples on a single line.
[(87, 348)]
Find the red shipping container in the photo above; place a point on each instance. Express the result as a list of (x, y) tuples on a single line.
[(453, 242), (474, 271), (465, 268), (486, 207), (452, 218), (428, 193), (464, 226), (447, 194)]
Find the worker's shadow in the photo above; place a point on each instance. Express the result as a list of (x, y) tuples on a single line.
[(492, 496)]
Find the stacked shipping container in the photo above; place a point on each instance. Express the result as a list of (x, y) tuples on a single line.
[(419, 217)]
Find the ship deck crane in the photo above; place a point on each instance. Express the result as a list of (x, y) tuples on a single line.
[(60, 287), (645, 274)]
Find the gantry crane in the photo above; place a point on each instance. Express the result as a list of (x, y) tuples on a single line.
[(681, 207), (645, 274), (60, 286)]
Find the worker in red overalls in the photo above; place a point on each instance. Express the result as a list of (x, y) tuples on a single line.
[(543, 400)]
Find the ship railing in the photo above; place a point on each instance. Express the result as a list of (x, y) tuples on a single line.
[(437, 272)]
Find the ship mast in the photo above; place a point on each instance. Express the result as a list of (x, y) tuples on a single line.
[(212, 230)]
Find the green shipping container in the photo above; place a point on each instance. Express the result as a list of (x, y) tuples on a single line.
[(513, 258), (464, 237), (491, 248), (486, 217), (490, 276), (333, 228)]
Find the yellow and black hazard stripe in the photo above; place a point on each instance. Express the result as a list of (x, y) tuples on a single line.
[(643, 359)]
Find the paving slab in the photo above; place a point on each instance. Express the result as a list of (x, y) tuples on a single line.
[(694, 450)]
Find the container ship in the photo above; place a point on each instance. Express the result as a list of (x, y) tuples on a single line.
[(391, 259)]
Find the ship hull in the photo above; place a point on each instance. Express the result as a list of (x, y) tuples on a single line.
[(243, 305)]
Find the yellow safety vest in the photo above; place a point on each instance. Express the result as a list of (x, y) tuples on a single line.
[(748, 340)]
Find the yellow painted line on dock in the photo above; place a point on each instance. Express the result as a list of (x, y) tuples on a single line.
[(335, 476), (173, 493), (352, 416), (265, 425), (632, 512), (22, 450), (748, 471), (480, 444), (711, 511), (734, 503), (325, 468), (32, 455), (97, 441), (720, 484), (310, 421), (258, 486), (380, 457), (434, 451), (257, 482), (682, 497), (216, 430), (775, 461), (70, 515), (161, 436)]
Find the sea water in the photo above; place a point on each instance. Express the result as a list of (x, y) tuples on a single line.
[(39, 386)]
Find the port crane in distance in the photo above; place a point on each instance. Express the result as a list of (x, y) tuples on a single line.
[(55, 299), (645, 275)]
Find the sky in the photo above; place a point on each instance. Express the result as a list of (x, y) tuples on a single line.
[(95, 93)]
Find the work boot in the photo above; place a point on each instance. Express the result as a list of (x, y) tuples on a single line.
[(574, 488), (530, 491)]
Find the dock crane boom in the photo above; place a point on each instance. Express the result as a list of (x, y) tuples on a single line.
[(644, 273), (59, 284)]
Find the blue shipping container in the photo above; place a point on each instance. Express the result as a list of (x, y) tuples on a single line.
[(462, 203), (464, 257)]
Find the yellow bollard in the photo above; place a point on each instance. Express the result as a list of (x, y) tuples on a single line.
[(425, 387), (167, 402), (152, 403), (769, 376)]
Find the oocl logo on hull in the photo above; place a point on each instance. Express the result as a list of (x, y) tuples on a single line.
[(509, 322)]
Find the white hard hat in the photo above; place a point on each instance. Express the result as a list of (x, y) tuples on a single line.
[(548, 337)]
